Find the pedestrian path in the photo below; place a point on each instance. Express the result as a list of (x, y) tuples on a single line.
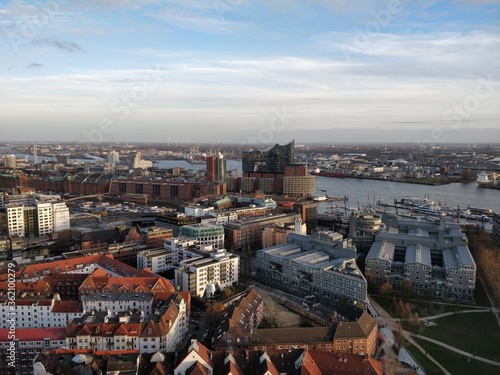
[(391, 323), (455, 313), (449, 347)]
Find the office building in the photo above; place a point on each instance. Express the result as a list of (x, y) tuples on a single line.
[(323, 265), (299, 186), (216, 168), (432, 256)]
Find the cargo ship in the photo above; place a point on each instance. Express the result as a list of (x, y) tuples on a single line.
[(328, 173)]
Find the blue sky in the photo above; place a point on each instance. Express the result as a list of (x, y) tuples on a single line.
[(243, 71)]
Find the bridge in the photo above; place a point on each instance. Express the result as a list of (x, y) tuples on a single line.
[(98, 196)]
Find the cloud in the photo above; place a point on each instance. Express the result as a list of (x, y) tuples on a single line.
[(62, 45), (202, 23), (35, 66)]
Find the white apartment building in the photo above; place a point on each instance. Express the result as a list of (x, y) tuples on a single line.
[(116, 302), (40, 313), (204, 276), (133, 329), (36, 220), (15, 219), (44, 216), (198, 211), (182, 247), (60, 216), (158, 260)]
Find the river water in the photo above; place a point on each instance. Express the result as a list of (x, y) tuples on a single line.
[(365, 192)]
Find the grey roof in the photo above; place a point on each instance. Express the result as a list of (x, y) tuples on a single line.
[(381, 250), (118, 297), (418, 254), (457, 257)]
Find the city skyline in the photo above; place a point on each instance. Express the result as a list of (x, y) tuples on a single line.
[(250, 72)]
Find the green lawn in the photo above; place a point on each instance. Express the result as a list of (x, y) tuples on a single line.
[(473, 332), (423, 307), (428, 366), (456, 363)]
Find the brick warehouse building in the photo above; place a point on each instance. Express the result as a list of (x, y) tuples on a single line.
[(100, 183), (166, 190)]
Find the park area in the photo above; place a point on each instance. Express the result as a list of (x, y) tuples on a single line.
[(472, 332)]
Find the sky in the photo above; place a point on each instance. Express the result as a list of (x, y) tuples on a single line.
[(250, 72)]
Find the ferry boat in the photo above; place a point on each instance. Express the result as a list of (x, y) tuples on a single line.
[(483, 178), (328, 173), (429, 210)]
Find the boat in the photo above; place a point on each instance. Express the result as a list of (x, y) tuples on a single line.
[(328, 173), (320, 199), (323, 190), (286, 204), (483, 178), (429, 210)]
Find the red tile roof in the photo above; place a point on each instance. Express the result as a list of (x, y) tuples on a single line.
[(34, 334), (331, 363), (67, 307)]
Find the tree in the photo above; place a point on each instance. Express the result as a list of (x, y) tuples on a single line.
[(415, 324), (407, 288), (400, 311), (399, 336), (406, 313), (386, 289)]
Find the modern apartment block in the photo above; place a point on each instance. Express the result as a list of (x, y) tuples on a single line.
[(209, 273), (246, 234), (15, 219), (60, 216), (44, 216), (323, 265), (433, 256), (157, 260), (36, 220), (205, 234)]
